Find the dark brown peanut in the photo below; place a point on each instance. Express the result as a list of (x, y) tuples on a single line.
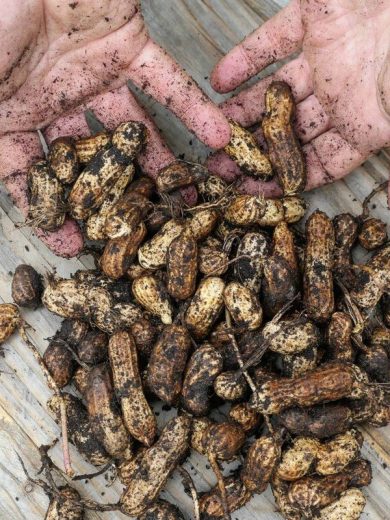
[(249, 270), (386, 309), (280, 491), (63, 159), (26, 286), (284, 150), (283, 246), (373, 234), (124, 217), (245, 210), (92, 348), (155, 466), (279, 285), (80, 431), (182, 266), (80, 379), (73, 331), (137, 414), (339, 337), (345, 229), (59, 361), (210, 503), (144, 334), (260, 463), (178, 175), (167, 363), (202, 369), (318, 278), (375, 362)]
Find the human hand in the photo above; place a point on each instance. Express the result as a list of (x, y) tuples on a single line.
[(340, 81), (61, 57)]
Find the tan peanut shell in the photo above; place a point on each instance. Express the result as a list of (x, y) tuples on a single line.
[(46, 203), (178, 175), (260, 463), (120, 252), (284, 149), (212, 188), (151, 294), (137, 414), (129, 138), (80, 379), (205, 307), (202, 369), (9, 320), (372, 279), (280, 491), (349, 506), (230, 386), (243, 305), (105, 417), (202, 223), (212, 261), (339, 337), (152, 254), (156, 465), (318, 277), (67, 504), (125, 215), (273, 214), (296, 365), (67, 298), (327, 383), (246, 417), (26, 286), (245, 210), (283, 246), (373, 234), (167, 363), (297, 460), (253, 250), (80, 431), (210, 503), (62, 159), (294, 209), (182, 266), (88, 147), (243, 149), (95, 226)]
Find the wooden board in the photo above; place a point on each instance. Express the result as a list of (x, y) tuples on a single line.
[(197, 33)]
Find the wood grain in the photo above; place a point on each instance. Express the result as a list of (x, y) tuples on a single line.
[(197, 33)]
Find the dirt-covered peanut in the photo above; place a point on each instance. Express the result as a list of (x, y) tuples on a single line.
[(144, 334), (230, 386), (245, 210), (243, 305), (273, 214), (199, 434), (205, 307), (291, 335), (88, 147), (92, 348), (309, 494), (203, 367), (260, 463), (144, 186), (124, 217), (279, 285), (66, 504), (80, 431), (372, 279), (329, 382), (182, 266), (296, 365), (298, 459), (321, 421), (202, 223), (73, 331), (119, 289), (135, 271), (223, 440), (122, 316), (26, 287), (152, 254), (212, 260), (137, 414), (167, 363), (155, 467), (339, 337), (129, 138), (294, 209), (178, 175), (372, 234), (246, 417), (318, 278), (59, 361), (210, 503), (283, 246), (151, 293), (212, 188), (252, 253), (349, 506), (80, 379), (381, 337), (95, 227), (334, 455), (284, 149), (119, 253), (67, 298), (346, 230), (375, 362), (46, 202), (280, 491), (127, 466), (161, 510), (104, 414), (62, 159), (385, 305), (243, 149)]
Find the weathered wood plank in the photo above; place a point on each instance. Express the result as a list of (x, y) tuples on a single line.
[(197, 33)]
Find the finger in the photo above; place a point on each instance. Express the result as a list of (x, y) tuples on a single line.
[(247, 108), (112, 108), (158, 75), (17, 152), (310, 119), (274, 40)]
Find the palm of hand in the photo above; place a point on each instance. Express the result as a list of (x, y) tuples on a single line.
[(338, 80)]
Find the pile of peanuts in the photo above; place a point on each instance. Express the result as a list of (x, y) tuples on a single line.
[(223, 302)]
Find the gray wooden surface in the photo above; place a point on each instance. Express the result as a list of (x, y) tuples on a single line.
[(197, 33)]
